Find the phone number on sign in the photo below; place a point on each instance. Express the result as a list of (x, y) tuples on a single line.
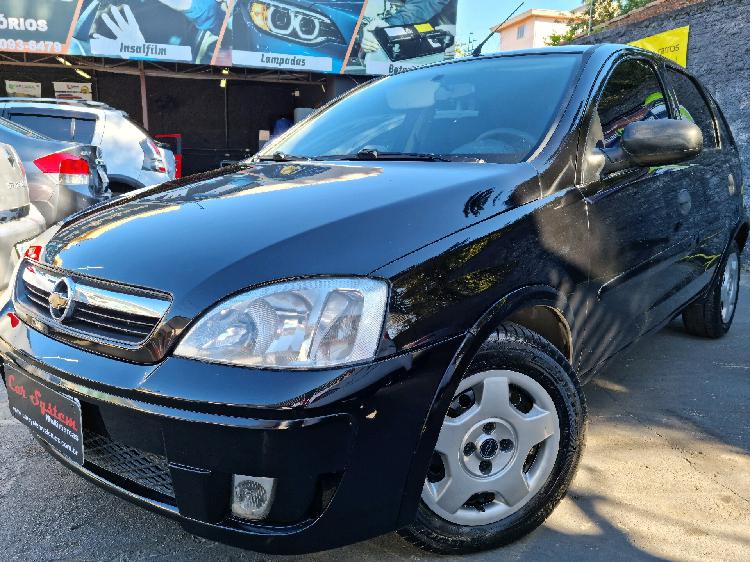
[(30, 46)]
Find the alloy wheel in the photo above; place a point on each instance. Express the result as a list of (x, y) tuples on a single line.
[(729, 283), (496, 449)]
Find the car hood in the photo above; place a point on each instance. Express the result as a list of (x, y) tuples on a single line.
[(205, 239)]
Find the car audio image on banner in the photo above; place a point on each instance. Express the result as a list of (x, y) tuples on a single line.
[(395, 35), (293, 35), (38, 26), (160, 30)]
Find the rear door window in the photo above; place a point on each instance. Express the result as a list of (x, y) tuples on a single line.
[(83, 131), (60, 128), (693, 105)]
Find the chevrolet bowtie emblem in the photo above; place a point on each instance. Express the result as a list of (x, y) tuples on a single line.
[(56, 300), (61, 299)]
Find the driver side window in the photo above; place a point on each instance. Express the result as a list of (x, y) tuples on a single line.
[(633, 93)]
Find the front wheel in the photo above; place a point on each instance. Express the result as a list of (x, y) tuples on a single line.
[(508, 448)]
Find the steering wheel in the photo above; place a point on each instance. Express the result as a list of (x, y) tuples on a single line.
[(526, 140)]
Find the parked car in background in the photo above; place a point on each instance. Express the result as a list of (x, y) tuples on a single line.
[(169, 158), (63, 176), (132, 157), (19, 219), (173, 143), (384, 320)]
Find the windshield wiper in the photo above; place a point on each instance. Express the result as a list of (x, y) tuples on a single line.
[(281, 157), (373, 154)]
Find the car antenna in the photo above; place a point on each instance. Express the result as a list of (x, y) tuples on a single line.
[(478, 51)]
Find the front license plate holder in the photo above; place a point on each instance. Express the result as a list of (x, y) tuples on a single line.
[(52, 416)]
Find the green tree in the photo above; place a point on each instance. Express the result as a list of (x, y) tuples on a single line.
[(604, 11)]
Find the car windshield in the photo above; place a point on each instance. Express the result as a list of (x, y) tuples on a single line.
[(494, 110)]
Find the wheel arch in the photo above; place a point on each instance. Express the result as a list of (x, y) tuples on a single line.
[(125, 181), (742, 234), (548, 322), (539, 306)]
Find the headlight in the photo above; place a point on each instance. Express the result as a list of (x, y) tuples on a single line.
[(292, 23), (309, 323)]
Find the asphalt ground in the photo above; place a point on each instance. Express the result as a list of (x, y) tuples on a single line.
[(665, 476)]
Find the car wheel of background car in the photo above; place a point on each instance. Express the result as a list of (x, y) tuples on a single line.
[(507, 450), (711, 316), (118, 187)]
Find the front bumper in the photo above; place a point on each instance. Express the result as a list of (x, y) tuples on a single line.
[(340, 443)]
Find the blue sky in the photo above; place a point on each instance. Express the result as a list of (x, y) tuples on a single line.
[(476, 16)]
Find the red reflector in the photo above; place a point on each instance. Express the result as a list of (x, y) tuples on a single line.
[(62, 163), (33, 253), (78, 166), (14, 320)]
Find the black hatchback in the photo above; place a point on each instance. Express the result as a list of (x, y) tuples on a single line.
[(384, 319)]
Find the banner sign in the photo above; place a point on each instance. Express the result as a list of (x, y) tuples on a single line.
[(671, 44), (16, 89), (332, 36), (73, 90), (36, 26)]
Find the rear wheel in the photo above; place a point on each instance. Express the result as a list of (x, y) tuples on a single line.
[(711, 316), (508, 448)]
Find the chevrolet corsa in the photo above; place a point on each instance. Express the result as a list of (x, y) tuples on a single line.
[(383, 320)]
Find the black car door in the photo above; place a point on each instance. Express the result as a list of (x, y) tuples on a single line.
[(628, 223), (710, 180)]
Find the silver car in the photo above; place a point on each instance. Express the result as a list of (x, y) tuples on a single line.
[(63, 177), (132, 157), (19, 220)]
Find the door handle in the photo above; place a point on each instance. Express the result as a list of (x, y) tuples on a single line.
[(685, 201)]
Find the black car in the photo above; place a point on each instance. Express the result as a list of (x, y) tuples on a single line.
[(384, 320)]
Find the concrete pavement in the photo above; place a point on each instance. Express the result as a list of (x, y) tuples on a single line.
[(665, 476)]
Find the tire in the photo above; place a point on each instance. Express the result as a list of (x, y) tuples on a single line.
[(712, 315), (119, 187), (531, 365)]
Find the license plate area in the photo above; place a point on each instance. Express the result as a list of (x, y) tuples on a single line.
[(53, 416)]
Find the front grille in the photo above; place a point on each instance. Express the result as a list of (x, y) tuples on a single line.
[(145, 469), (99, 310)]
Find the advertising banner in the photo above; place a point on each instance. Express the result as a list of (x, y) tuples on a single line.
[(334, 36), (73, 90), (398, 35), (36, 26), (292, 35), (157, 30), (16, 89), (672, 44), (340, 36)]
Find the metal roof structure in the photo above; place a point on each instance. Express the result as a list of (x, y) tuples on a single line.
[(160, 69)]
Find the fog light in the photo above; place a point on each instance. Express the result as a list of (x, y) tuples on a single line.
[(252, 496)]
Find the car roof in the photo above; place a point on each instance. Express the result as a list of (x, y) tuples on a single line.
[(605, 49), (55, 101)]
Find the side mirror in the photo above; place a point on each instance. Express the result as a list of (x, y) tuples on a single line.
[(654, 143)]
